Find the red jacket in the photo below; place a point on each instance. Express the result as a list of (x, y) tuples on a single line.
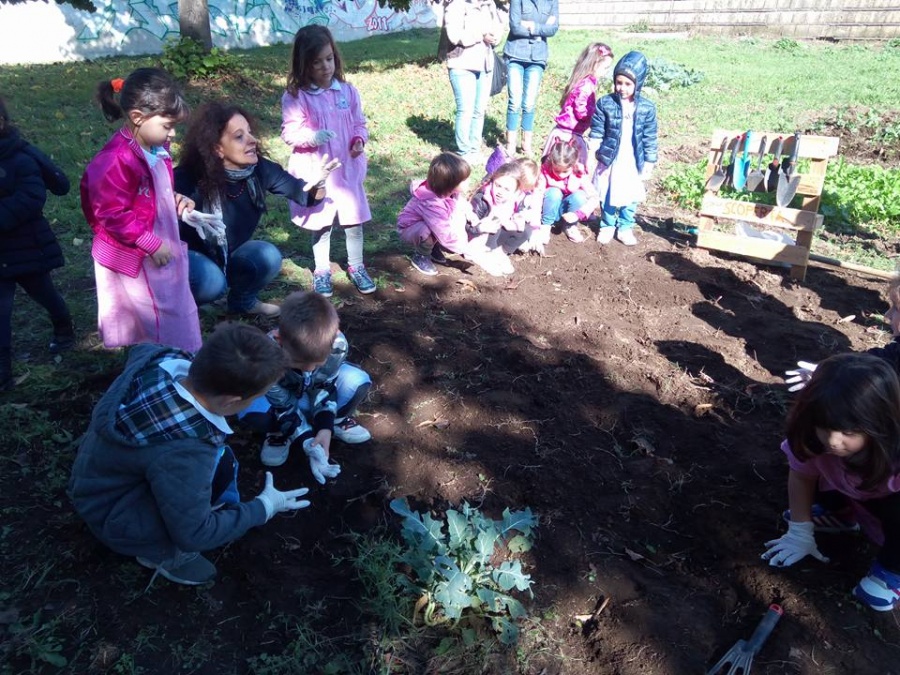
[(119, 203)]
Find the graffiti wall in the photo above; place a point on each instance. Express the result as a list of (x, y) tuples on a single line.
[(44, 32)]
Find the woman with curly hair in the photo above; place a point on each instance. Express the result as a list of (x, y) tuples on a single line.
[(224, 171)]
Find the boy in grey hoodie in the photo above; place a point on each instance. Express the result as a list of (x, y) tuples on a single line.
[(153, 477)]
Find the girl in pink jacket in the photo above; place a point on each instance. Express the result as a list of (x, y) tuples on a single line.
[(321, 117), (569, 194), (579, 99), (127, 197), (435, 218)]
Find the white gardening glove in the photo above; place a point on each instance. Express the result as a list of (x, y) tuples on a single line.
[(798, 378), (798, 543), (322, 136), (318, 461), (326, 167), (276, 501), (207, 225)]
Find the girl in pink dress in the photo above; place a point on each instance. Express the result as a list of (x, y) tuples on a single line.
[(140, 263), (321, 116)]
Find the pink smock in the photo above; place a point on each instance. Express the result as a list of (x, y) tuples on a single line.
[(336, 109), (157, 305)]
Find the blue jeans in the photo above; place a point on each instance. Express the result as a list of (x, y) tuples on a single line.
[(555, 204), (472, 90), (352, 385), (250, 268), (623, 214), (522, 87)]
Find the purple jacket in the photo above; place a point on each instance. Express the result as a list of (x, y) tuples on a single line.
[(119, 203)]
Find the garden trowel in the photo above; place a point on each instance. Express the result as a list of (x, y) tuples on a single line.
[(714, 182), (789, 180), (772, 172), (739, 173), (755, 179)]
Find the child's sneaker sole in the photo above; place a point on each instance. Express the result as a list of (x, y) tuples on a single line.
[(826, 522)]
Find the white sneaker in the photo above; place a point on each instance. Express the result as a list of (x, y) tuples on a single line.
[(605, 235), (276, 448), (504, 264), (626, 237), (573, 234), (266, 309), (350, 431)]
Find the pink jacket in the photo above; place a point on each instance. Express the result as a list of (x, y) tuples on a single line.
[(577, 181), (444, 218), (119, 203), (579, 106)]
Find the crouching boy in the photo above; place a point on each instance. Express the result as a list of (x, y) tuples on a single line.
[(315, 399), (153, 477)]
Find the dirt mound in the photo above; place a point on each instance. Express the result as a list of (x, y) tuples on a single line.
[(867, 136)]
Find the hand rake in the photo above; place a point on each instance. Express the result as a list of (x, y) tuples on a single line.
[(740, 656)]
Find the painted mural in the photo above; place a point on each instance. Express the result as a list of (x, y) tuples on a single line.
[(143, 26)]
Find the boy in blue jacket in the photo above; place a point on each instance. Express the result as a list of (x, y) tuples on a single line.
[(153, 477), (624, 135)]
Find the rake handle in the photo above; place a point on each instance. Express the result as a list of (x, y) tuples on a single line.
[(765, 628)]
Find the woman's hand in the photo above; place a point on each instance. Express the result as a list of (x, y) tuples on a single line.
[(357, 148), (491, 39), (317, 182), (163, 254), (183, 204)]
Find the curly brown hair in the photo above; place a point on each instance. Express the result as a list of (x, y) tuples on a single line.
[(198, 151)]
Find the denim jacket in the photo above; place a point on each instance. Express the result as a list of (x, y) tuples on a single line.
[(531, 46)]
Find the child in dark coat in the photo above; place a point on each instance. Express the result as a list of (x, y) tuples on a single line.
[(28, 247)]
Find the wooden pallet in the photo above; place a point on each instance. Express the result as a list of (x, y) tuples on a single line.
[(800, 222)]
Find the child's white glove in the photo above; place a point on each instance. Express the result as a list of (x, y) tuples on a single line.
[(322, 136), (799, 377), (206, 224), (318, 461), (792, 547), (647, 171), (276, 501)]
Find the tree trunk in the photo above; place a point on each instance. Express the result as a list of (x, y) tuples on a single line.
[(193, 21)]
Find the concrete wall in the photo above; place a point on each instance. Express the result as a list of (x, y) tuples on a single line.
[(843, 19), (44, 32)]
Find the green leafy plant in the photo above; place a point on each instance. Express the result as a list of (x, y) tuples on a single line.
[(638, 27), (857, 197), (685, 184), (462, 566), (787, 45), (664, 74), (187, 59)]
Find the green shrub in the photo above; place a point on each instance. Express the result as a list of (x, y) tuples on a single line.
[(463, 569), (858, 196), (787, 45), (664, 74), (685, 184), (187, 59)]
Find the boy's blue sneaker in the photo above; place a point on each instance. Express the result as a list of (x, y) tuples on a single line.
[(322, 284), (189, 569), (423, 264), (880, 589), (361, 279), (826, 521)]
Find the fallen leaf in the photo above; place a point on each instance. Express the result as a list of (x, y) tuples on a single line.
[(633, 555)]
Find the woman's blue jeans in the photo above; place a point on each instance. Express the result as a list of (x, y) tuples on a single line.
[(472, 90), (250, 268), (522, 86)]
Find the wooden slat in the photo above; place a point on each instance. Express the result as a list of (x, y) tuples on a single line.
[(761, 214), (763, 249), (813, 147)]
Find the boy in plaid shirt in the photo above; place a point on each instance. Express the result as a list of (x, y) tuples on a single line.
[(153, 477)]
